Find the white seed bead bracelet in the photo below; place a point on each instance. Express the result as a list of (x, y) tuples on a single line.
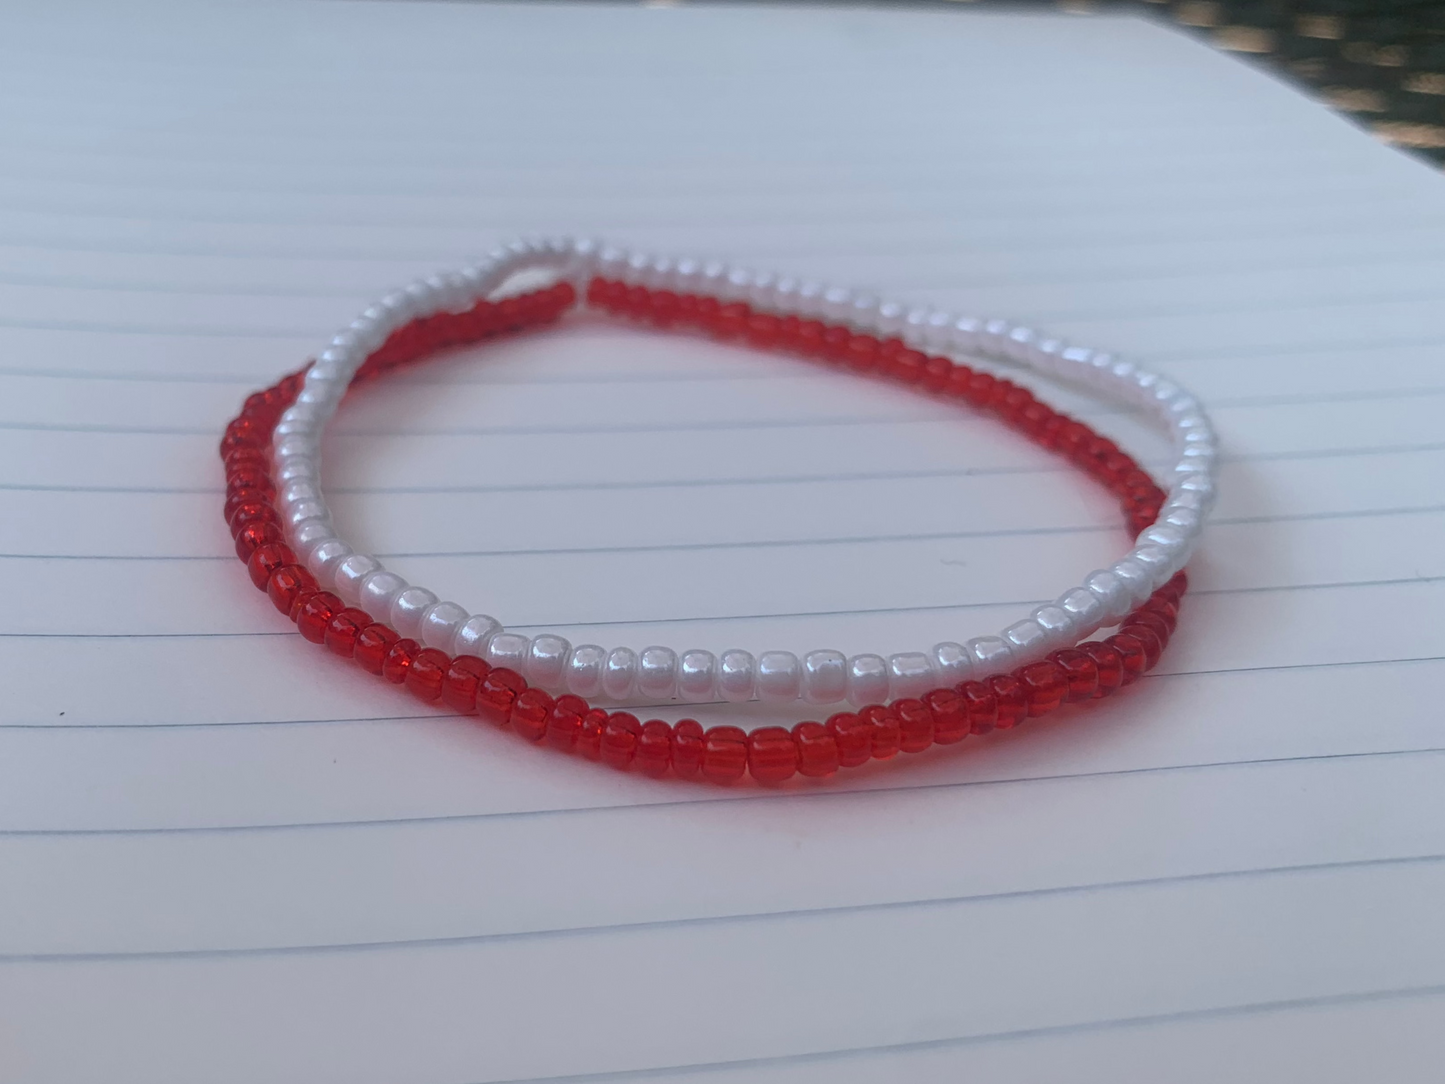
[(657, 673)]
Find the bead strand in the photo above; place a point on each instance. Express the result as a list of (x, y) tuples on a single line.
[(469, 684)]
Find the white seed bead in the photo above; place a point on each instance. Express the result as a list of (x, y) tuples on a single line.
[(324, 559), (736, 673), (1027, 641), (991, 655), (509, 649), (953, 663), (1086, 609), (1058, 625), (825, 676), (780, 676), (547, 661), (378, 590), (657, 673), (697, 676), (619, 673), (910, 674), (473, 634), (349, 574), (1136, 578), (584, 670), (309, 535), (439, 624), (867, 679), (407, 609), (1113, 596)]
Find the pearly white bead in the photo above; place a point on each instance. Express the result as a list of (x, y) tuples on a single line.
[(473, 634), (439, 624)]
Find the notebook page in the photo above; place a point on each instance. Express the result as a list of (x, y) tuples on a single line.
[(227, 856)]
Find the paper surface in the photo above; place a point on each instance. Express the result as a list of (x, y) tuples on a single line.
[(228, 856)]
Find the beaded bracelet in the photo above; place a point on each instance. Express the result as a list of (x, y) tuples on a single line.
[(781, 314), (469, 684)]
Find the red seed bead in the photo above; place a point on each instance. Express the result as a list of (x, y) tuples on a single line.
[(980, 388), (343, 630), (314, 612), (1080, 671), (1012, 703), (654, 748), (982, 706), (724, 754), (398, 660), (1149, 639), (906, 366), (817, 750), (937, 372), (253, 535), (530, 712), (763, 330), (1153, 621), (885, 728), (565, 721), (427, 673), (589, 734), (1045, 686), (237, 498), (1167, 611), (286, 584), (1132, 653), (497, 692), (950, 715), (854, 737), (463, 679), (915, 725), (247, 458), (619, 739), (810, 338), (772, 754), (267, 559), (255, 512), (862, 353), (1110, 665), (687, 748), (372, 646), (835, 342)]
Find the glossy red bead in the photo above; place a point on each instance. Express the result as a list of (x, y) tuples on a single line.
[(530, 713), (255, 512), (267, 559), (343, 630), (763, 330), (1156, 622), (619, 739), (1110, 665), (936, 373), (1081, 673), (238, 498), (885, 728), (497, 692), (286, 583), (1045, 686), (853, 736), (589, 734), (398, 660), (724, 754), (1132, 653), (915, 725), (1148, 639), (427, 674), (315, 613), (654, 748), (772, 754), (254, 535), (981, 705), (687, 744), (564, 722), (1167, 611), (817, 750), (1012, 704), (372, 646), (862, 353), (950, 716), (463, 679)]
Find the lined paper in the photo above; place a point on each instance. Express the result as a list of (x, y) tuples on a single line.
[(227, 857)]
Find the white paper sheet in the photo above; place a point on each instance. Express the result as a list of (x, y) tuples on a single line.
[(227, 856)]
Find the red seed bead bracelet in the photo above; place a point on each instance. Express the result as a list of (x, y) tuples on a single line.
[(468, 684)]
